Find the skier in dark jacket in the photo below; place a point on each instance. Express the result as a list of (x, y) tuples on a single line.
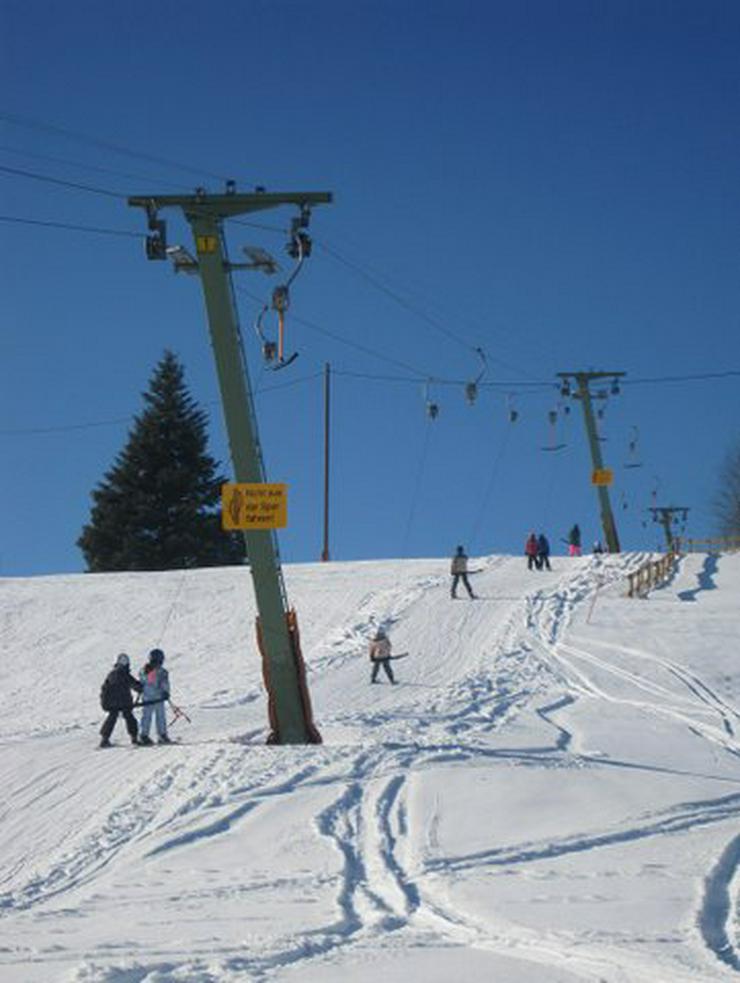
[(574, 541), (543, 552), (116, 698)]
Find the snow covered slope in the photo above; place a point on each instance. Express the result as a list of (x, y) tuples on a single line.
[(551, 793)]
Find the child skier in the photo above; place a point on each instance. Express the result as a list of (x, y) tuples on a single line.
[(531, 551), (380, 655), (459, 571), (115, 698), (155, 691)]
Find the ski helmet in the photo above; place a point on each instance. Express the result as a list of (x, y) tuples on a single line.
[(123, 661), (156, 657)]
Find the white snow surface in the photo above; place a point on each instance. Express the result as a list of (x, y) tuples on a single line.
[(550, 793)]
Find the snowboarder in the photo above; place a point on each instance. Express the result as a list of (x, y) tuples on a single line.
[(115, 698), (155, 683), (543, 552), (459, 571), (380, 655), (574, 541), (530, 551)]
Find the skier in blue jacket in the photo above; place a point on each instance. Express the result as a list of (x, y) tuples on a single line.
[(155, 683)]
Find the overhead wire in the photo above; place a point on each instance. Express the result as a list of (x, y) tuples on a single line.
[(66, 428), (40, 125), (20, 172), (421, 467), (435, 323), (73, 228), (374, 280), (497, 462), (83, 165), (319, 373), (394, 295), (91, 189), (28, 123)]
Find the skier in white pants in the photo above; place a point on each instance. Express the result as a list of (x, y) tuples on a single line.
[(155, 681)]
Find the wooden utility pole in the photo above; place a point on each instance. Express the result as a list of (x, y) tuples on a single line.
[(327, 395)]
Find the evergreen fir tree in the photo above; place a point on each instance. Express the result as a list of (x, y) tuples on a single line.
[(158, 506)]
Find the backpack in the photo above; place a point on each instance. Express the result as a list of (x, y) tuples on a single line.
[(107, 693)]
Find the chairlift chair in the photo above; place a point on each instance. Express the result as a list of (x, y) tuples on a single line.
[(298, 248), (554, 445), (431, 407), (471, 388), (633, 454)]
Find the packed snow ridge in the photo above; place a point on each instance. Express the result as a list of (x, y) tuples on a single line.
[(551, 792)]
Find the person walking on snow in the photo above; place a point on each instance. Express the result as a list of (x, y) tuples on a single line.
[(530, 551), (543, 552), (155, 684), (459, 571), (380, 655), (574, 541), (115, 698)]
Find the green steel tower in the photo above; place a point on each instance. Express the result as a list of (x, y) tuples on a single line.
[(277, 626)]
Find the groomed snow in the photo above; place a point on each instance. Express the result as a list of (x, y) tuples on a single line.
[(551, 793)]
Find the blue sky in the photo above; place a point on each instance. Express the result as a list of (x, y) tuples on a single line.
[(556, 183)]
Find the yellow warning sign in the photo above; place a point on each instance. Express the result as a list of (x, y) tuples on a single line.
[(254, 506), (602, 476), (205, 244)]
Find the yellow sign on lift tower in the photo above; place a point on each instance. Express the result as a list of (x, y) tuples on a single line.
[(602, 476), (254, 506)]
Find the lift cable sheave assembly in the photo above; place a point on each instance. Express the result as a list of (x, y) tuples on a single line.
[(277, 626)]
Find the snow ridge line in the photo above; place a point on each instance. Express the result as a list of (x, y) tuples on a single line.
[(682, 713), (692, 815), (97, 849), (716, 910), (705, 694)]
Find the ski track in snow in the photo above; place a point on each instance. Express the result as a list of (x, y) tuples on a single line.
[(381, 888)]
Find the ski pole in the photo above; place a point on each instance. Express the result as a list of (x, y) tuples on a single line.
[(178, 713)]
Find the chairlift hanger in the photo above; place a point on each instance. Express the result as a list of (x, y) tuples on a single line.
[(298, 249), (633, 455), (471, 388), (432, 408), (552, 417)]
